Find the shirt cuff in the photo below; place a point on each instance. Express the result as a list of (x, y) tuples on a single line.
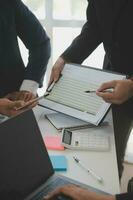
[(29, 85)]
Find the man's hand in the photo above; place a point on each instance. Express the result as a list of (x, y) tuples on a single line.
[(56, 70), (20, 95), (122, 91), (9, 108), (77, 193)]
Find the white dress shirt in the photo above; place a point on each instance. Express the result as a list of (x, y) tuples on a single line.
[(29, 85)]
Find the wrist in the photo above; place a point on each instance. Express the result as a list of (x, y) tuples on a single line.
[(61, 60), (29, 85), (65, 59)]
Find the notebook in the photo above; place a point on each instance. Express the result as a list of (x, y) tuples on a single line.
[(53, 142), (61, 121), (59, 162), (26, 172)]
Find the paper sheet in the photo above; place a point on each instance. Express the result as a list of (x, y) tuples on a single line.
[(69, 93)]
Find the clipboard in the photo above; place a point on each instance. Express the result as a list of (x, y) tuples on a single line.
[(68, 94)]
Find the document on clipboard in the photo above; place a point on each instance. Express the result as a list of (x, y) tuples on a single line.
[(68, 95)]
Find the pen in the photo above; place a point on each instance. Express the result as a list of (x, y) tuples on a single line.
[(98, 178), (94, 91), (90, 91)]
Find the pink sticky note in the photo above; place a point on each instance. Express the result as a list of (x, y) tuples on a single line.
[(53, 142)]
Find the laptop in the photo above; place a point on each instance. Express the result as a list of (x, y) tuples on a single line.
[(26, 172)]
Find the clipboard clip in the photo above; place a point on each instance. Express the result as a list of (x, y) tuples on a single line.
[(50, 87)]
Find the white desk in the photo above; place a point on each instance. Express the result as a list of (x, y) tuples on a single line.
[(103, 164)]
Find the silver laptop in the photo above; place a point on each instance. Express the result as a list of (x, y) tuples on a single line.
[(26, 172)]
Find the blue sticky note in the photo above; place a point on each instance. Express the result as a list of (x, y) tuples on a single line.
[(59, 162)]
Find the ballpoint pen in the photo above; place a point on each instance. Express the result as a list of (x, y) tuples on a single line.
[(94, 91), (98, 178)]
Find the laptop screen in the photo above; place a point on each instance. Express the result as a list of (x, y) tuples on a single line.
[(24, 162)]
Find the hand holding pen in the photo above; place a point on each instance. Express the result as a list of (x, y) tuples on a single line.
[(105, 91), (121, 91), (95, 91)]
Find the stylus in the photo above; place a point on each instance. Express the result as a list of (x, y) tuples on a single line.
[(98, 178), (94, 91)]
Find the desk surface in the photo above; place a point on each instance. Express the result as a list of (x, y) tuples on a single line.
[(103, 164)]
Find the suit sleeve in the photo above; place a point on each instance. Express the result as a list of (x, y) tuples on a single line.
[(89, 38), (36, 41), (128, 196)]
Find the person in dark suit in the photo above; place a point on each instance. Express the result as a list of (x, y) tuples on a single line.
[(16, 80), (108, 22), (123, 90)]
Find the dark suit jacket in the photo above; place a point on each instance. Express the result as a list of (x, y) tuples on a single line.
[(126, 196), (108, 22), (17, 21)]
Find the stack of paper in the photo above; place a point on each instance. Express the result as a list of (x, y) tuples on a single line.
[(61, 121)]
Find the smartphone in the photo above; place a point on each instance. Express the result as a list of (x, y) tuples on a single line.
[(28, 103), (49, 89)]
